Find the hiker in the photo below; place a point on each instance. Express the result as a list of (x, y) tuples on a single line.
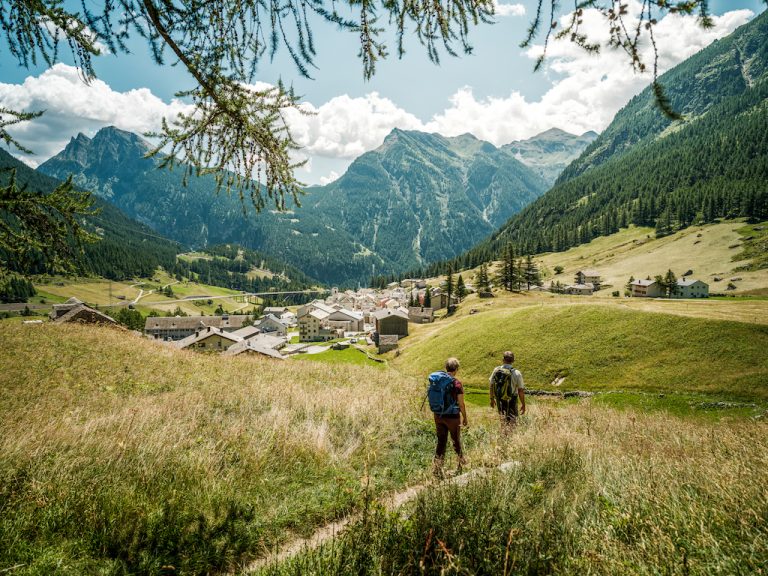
[(506, 386), (446, 399)]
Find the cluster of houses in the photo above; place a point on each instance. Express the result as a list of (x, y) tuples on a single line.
[(230, 334), (586, 282), (383, 313)]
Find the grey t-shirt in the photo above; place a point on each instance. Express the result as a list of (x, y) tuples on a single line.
[(517, 377)]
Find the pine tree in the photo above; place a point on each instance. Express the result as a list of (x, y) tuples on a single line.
[(428, 297), (670, 284), (449, 287), (531, 273), (628, 286), (461, 289), (483, 284)]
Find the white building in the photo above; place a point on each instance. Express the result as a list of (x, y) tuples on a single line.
[(692, 289)]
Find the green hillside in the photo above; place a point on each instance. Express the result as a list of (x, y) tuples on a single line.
[(596, 347), (119, 455)]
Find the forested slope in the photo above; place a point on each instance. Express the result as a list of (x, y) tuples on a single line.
[(647, 170), (126, 249)]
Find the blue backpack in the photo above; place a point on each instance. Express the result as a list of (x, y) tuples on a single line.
[(441, 401)]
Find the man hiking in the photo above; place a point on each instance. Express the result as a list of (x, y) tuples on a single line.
[(506, 386), (446, 399)]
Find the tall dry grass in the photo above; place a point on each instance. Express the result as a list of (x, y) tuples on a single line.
[(121, 455), (598, 492)]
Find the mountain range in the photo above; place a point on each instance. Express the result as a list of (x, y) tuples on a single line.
[(417, 199), (550, 152)]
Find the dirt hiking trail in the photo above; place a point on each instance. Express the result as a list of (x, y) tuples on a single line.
[(390, 502)]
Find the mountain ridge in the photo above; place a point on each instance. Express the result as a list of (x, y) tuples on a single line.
[(388, 212)]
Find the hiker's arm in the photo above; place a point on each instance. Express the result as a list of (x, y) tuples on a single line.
[(463, 409), (491, 391), (521, 395)]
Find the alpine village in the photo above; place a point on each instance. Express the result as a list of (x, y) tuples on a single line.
[(258, 262)]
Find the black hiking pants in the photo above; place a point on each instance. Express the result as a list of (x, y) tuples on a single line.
[(508, 410)]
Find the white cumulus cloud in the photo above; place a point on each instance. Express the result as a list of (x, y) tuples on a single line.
[(345, 127), (588, 89), (586, 92), (71, 106), (508, 9)]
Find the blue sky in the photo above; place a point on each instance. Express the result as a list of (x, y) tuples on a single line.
[(492, 93)]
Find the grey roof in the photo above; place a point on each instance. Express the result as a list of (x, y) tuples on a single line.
[(381, 314), (643, 282), (588, 272), (71, 316), (252, 346), (320, 314), (58, 310), (192, 322), (349, 313), (685, 283), (204, 333), (246, 332), (275, 309), (273, 318)]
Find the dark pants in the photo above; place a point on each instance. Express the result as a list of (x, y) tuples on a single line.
[(444, 426), (508, 410)]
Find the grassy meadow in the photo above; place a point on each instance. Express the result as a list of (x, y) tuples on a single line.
[(121, 455), (104, 293), (711, 251), (347, 356), (725, 250)]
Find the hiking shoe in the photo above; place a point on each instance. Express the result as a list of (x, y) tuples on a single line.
[(437, 469)]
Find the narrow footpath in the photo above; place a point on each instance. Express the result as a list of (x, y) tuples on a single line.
[(390, 502)]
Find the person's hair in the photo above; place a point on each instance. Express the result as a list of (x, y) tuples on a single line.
[(452, 364), (509, 357)]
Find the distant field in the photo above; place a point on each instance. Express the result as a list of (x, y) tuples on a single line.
[(90, 290), (599, 348), (97, 292), (706, 250)]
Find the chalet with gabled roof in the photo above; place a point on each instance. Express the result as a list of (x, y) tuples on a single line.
[(588, 276), (692, 289), (579, 289), (74, 310), (262, 344), (271, 324), (391, 322), (179, 327), (208, 339), (646, 289)]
